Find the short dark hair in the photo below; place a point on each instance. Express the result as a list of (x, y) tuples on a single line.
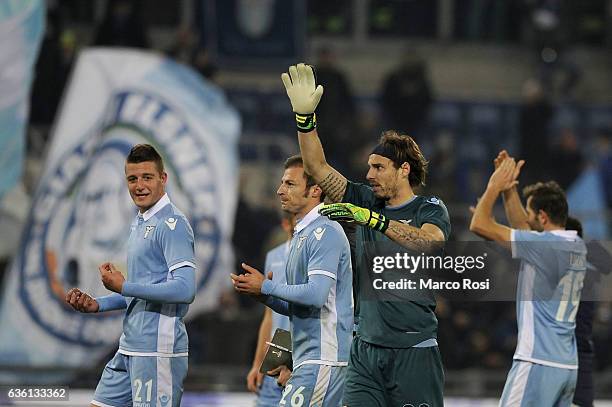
[(550, 198), (406, 150), (573, 224), (145, 152), (297, 161)]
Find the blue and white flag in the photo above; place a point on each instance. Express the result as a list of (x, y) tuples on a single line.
[(81, 213), (21, 30)]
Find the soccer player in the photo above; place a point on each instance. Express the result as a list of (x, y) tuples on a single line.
[(394, 358), (599, 262), (584, 393), (269, 390), (553, 265), (151, 363), (317, 297)]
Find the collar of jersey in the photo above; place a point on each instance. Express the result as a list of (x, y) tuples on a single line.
[(399, 206), (308, 219), (163, 201), (568, 234)]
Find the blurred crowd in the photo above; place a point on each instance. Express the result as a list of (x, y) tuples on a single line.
[(471, 334)]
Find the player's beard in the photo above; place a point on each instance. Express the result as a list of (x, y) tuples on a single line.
[(535, 225), (293, 206), (386, 192)]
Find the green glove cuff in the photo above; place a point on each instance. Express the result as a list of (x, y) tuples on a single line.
[(378, 222), (305, 122)]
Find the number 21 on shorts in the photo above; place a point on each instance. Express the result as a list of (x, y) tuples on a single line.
[(138, 393)]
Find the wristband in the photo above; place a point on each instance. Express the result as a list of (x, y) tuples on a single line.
[(305, 122), (378, 222)]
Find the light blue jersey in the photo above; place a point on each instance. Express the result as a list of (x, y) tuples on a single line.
[(321, 336), (553, 266), (161, 241), (151, 363), (276, 259)]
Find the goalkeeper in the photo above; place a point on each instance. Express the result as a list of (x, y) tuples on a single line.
[(394, 358)]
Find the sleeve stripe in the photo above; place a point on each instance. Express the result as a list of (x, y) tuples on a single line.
[(513, 243), (322, 272), (182, 264)]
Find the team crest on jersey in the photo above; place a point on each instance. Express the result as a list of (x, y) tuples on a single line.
[(171, 222), (318, 232), (434, 200), (148, 230), (82, 213), (301, 240)]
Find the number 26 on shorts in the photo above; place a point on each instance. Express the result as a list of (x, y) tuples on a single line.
[(297, 398)]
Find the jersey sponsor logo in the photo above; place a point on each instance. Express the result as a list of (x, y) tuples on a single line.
[(63, 238), (171, 222), (434, 201), (148, 229), (318, 232)]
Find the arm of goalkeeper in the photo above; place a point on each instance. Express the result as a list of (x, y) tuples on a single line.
[(427, 238), (304, 95), (346, 212)]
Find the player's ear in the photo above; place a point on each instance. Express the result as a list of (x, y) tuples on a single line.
[(316, 191), (405, 169), (164, 177), (542, 217)]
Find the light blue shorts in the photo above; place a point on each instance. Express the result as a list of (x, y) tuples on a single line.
[(269, 393), (141, 381), (533, 385), (315, 386)]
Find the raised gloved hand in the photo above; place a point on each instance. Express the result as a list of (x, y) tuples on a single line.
[(304, 95), (346, 212)]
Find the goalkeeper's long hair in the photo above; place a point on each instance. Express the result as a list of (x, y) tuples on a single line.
[(406, 150)]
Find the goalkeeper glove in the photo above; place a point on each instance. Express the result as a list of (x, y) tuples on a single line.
[(304, 95), (346, 212)]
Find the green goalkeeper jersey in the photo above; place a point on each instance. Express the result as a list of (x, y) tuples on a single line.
[(394, 324)]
